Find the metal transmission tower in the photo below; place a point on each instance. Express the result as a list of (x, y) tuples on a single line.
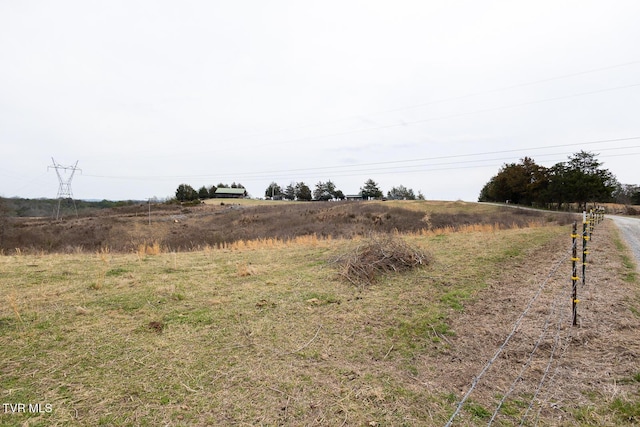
[(64, 191)]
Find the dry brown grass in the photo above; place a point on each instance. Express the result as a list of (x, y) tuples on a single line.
[(245, 270), (267, 224), (149, 249), (310, 240), (11, 299)]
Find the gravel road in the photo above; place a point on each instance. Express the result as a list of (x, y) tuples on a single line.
[(630, 231)]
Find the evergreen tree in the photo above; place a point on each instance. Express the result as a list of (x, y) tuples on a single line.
[(289, 192), (273, 191), (186, 193), (203, 193), (327, 191), (586, 181), (370, 190), (303, 192), (401, 193)]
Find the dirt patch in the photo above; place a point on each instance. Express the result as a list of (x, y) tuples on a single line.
[(550, 371)]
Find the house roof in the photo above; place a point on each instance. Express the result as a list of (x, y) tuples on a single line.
[(239, 191)]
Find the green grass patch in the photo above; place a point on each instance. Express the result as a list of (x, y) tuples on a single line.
[(629, 380), (128, 302), (7, 324), (119, 271), (626, 411), (477, 411), (455, 299), (194, 317)]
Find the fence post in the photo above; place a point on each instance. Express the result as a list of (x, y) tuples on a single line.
[(600, 214), (585, 238), (574, 273)]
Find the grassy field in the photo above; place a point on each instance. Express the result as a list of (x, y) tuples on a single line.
[(259, 333)]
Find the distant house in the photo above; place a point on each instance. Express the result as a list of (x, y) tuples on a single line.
[(230, 193), (353, 197)]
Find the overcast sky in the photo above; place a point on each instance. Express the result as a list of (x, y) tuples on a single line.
[(433, 95)]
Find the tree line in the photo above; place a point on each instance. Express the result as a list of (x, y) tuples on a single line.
[(580, 180), (18, 207), (328, 191), (323, 190)]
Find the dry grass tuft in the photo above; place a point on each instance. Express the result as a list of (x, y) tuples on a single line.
[(149, 249), (14, 306), (81, 311), (307, 240), (245, 270), (103, 254), (379, 255), (477, 228)]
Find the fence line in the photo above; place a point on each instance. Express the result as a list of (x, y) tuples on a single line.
[(555, 373), (526, 365), (594, 217), (516, 325), (547, 369)]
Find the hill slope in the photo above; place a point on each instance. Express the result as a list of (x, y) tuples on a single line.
[(176, 228)]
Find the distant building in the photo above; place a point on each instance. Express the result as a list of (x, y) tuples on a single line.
[(353, 197), (229, 193)]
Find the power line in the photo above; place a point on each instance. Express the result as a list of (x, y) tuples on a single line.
[(240, 176), (434, 102), (442, 100), (501, 89), (449, 116), (350, 170)]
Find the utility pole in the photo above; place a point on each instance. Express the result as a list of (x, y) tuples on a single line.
[(64, 190)]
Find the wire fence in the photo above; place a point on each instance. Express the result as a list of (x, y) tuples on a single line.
[(549, 336)]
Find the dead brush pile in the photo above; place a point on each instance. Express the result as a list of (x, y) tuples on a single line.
[(379, 255)]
